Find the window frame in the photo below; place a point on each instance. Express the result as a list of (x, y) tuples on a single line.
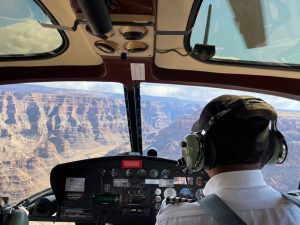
[(45, 55), (254, 64)]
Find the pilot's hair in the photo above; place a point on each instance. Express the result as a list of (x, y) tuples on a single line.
[(237, 137)]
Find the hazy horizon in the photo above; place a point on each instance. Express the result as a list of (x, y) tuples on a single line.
[(184, 92)]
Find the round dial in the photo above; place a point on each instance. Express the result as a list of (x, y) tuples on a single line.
[(199, 193), (170, 192), (153, 173), (129, 173), (157, 199), (141, 173), (165, 174), (114, 172), (157, 191)]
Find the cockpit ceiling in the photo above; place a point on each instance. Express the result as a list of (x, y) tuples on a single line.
[(82, 60), (125, 7)]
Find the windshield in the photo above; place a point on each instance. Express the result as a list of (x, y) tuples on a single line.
[(21, 34), (45, 124), (168, 112), (254, 31)]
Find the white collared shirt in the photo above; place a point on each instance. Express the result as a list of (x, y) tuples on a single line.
[(246, 193)]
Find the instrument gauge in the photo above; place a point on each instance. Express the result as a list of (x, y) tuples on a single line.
[(141, 173), (165, 174), (157, 191), (170, 192), (129, 173), (153, 173), (114, 172), (157, 199)]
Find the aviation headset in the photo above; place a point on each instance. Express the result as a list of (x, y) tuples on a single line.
[(193, 147)]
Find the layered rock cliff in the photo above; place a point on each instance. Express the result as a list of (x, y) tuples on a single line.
[(41, 127), (40, 130)]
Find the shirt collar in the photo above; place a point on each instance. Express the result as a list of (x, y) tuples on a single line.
[(234, 180)]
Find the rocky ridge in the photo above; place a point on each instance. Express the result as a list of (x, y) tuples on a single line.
[(46, 126), (40, 130)]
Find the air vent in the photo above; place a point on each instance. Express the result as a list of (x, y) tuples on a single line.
[(133, 32), (135, 46), (107, 46)]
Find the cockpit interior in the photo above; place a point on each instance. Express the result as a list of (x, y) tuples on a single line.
[(97, 95)]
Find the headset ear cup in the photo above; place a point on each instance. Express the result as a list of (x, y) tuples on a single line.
[(277, 148), (270, 155), (193, 154), (209, 153)]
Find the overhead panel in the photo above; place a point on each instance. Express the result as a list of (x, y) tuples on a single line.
[(127, 41)]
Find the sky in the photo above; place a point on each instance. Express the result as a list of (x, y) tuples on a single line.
[(20, 31), (190, 93), (280, 19)]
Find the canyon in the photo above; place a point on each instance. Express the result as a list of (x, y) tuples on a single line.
[(41, 127)]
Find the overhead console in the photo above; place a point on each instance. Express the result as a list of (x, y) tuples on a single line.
[(120, 189), (115, 28), (134, 41)]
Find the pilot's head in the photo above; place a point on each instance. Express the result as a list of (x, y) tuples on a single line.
[(235, 130)]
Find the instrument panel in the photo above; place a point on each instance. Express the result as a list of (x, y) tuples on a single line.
[(113, 189)]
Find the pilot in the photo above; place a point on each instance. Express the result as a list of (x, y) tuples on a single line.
[(237, 136)]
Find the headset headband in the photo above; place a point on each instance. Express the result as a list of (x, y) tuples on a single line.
[(235, 106)]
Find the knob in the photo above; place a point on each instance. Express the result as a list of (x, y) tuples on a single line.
[(157, 199), (129, 173), (141, 173), (165, 174)]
